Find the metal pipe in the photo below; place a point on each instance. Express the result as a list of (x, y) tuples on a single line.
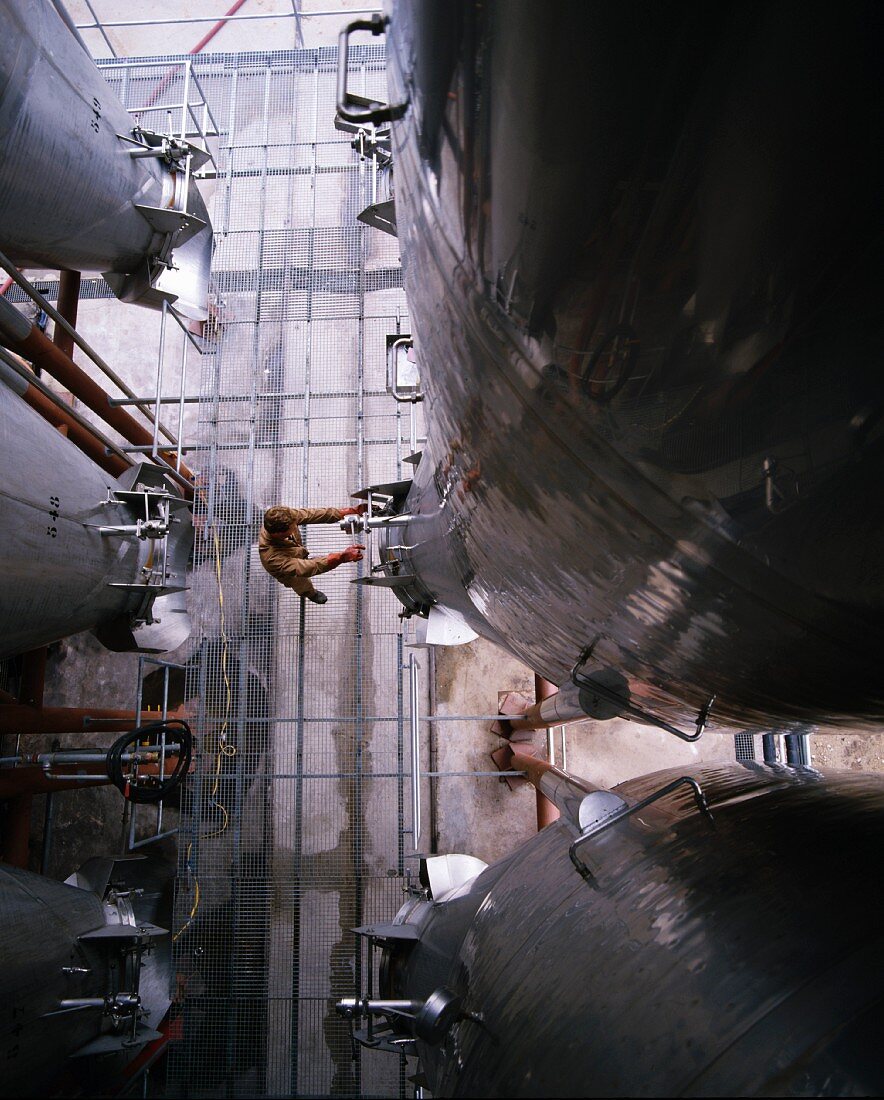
[(547, 811), (565, 791), (558, 707), (63, 757), (37, 297), (190, 399), (27, 340), (414, 697), (50, 406), (797, 749), (209, 35), (159, 385), (769, 748), (225, 19), (108, 42), (30, 781), (181, 388)]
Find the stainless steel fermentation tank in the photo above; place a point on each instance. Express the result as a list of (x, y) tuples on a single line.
[(82, 550), (83, 188), (80, 188), (84, 971), (643, 264), (721, 939)]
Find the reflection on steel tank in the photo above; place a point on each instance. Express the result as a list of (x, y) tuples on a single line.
[(642, 255), (712, 935), (82, 185)]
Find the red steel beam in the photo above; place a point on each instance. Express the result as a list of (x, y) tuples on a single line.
[(68, 304), (18, 334), (547, 812), (16, 718), (17, 830), (75, 431)]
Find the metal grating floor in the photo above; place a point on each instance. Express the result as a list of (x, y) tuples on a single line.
[(295, 826)]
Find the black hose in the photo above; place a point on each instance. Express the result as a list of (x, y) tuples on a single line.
[(150, 788)]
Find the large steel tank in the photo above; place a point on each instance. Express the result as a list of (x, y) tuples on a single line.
[(71, 193), (84, 971), (66, 564), (731, 948), (643, 280)]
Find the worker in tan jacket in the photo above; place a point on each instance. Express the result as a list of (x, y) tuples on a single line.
[(284, 556)]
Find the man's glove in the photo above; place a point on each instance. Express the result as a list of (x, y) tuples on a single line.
[(357, 510), (352, 553)]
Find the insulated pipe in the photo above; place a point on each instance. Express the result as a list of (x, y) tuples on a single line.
[(565, 791), (547, 812), (556, 709), (76, 430), (18, 334)]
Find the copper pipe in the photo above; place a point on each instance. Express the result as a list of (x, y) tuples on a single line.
[(18, 334), (547, 812), (532, 766), (17, 831), (68, 303), (209, 35), (75, 431), (17, 718)]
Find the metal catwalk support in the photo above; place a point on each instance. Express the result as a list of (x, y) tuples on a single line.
[(293, 825)]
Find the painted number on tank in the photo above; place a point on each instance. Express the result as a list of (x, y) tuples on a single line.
[(96, 110), (54, 502)]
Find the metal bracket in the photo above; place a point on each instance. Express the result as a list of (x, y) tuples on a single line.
[(587, 683), (173, 151), (606, 819), (348, 107), (409, 394)]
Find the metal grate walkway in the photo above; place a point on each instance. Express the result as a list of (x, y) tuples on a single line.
[(295, 827)]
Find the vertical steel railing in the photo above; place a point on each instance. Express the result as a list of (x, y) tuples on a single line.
[(414, 717)]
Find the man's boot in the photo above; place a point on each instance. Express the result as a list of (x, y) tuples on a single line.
[(316, 596)]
